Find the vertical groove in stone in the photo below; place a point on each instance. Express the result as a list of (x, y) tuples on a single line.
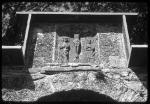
[(54, 45), (98, 47)]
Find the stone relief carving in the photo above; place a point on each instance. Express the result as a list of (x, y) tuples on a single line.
[(90, 49), (77, 44), (64, 50)]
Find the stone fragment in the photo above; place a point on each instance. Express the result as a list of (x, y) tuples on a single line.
[(110, 75), (129, 95), (124, 73), (122, 63), (37, 76), (105, 70), (91, 76), (102, 65), (116, 76), (135, 85), (94, 66), (65, 65)]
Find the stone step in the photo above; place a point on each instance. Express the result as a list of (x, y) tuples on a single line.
[(70, 64), (79, 68)]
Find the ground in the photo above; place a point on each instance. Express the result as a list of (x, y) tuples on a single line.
[(119, 84)]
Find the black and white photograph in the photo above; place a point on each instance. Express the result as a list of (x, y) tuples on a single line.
[(74, 52)]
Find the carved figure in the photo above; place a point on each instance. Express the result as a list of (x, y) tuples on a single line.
[(77, 44), (90, 50), (64, 49)]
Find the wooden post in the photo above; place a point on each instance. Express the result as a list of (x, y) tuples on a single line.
[(26, 36), (127, 38)]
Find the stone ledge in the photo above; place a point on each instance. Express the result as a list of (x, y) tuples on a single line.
[(79, 68)]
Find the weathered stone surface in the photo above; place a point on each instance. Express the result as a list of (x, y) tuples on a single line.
[(111, 77), (116, 76), (134, 84), (37, 76), (43, 49), (111, 50), (105, 70), (124, 73), (116, 88), (110, 43)]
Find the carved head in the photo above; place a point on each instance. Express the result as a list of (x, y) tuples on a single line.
[(89, 41), (66, 39), (76, 36)]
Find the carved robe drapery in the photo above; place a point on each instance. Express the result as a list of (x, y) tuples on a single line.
[(64, 50), (77, 44)]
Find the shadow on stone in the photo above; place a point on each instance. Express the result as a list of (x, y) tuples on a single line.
[(76, 95), (100, 76), (17, 78), (31, 47)]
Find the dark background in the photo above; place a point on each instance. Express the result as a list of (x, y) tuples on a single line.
[(137, 31)]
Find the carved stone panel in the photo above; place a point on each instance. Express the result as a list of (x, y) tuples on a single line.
[(44, 49), (64, 49), (83, 42), (78, 43), (89, 50), (111, 50)]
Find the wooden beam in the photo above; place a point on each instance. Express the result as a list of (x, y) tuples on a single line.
[(78, 13), (127, 38), (140, 46), (11, 47), (26, 36)]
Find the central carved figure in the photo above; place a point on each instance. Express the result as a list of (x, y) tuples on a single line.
[(77, 44)]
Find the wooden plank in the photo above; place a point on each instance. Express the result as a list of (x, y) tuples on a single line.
[(127, 38), (79, 13), (11, 47), (26, 36), (140, 46)]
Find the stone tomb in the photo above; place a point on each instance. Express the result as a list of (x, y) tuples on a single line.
[(80, 39)]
